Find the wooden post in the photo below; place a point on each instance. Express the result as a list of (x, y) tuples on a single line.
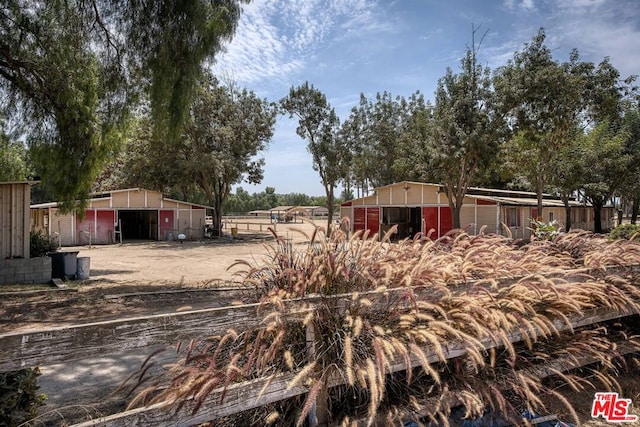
[(318, 414)]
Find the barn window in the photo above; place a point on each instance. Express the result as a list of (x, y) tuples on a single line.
[(513, 217), (550, 216)]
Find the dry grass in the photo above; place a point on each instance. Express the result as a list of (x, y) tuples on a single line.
[(383, 305)]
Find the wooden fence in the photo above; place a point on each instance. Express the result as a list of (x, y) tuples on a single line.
[(248, 225), (91, 340)]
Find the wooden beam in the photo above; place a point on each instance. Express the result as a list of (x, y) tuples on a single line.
[(241, 397), (64, 343)]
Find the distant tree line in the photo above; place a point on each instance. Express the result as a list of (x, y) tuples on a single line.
[(241, 201)]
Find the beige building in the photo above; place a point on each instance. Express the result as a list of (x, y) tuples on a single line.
[(137, 213), (424, 208)]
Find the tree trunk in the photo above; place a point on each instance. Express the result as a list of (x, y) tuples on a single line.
[(619, 216), (539, 189), (329, 192), (453, 196), (567, 210), (455, 213), (597, 219), (217, 215), (635, 207)]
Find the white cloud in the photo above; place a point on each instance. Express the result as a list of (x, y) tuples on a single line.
[(276, 40), (527, 5), (601, 29)]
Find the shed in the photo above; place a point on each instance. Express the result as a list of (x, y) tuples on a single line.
[(14, 219), (16, 266), (137, 213), (417, 207)]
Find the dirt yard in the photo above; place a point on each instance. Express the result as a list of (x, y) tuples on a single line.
[(188, 263), (139, 278)]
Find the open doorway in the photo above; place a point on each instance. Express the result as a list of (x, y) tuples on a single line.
[(139, 224), (408, 220)]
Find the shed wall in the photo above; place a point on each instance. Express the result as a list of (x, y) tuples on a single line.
[(14, 220), (64, 226)]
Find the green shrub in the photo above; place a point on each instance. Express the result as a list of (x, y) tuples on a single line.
[(19, 398), (42, 244), (544, 230), (625, 232)]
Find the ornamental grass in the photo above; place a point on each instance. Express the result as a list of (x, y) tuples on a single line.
[(385, 332)]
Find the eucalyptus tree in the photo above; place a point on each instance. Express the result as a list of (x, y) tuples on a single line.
[(551, 105), (465, 131), (319, 125), (383, 122), (71, 70)]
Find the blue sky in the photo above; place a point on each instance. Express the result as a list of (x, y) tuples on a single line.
[(348, 47)]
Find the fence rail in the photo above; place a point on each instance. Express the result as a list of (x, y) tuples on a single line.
[(22, 349), (251, 394), (90, 340)]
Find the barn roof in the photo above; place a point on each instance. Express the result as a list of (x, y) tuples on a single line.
[(504, 197), (100, 195)]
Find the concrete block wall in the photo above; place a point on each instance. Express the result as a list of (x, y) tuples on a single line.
[(25, 270)]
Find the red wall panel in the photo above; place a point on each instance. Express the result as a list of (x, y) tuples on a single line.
[(166, 219), (446, 220), (373, 220)]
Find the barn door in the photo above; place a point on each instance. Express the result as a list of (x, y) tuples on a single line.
[(166, 226)]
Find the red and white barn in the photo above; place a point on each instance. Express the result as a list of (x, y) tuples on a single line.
[(421, 207), (141, 215)]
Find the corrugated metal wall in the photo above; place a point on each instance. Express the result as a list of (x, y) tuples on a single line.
[(14, 220)]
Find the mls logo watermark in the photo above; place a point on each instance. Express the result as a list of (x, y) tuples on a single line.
[(612, 408)]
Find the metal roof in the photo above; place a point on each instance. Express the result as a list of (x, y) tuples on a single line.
[(526, 201), (108, 193)]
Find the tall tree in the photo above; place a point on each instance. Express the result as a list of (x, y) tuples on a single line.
[(226, 130), (605, 162), (546, 100), (415, 149), (319, 125), (465, 131), (380, 124), (630, 189), (72, 70)]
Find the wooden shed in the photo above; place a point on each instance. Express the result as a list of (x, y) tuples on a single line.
[(137, 213), (417, 207), (14, 219)]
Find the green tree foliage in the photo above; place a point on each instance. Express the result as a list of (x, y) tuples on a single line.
[(545, 100), (320, 127), (377, 126), (72, 70), (227, 129), (242, 201), (465, 130), (13, 160), (630, 188), (604, 159), (416, 148), (551, 105)]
